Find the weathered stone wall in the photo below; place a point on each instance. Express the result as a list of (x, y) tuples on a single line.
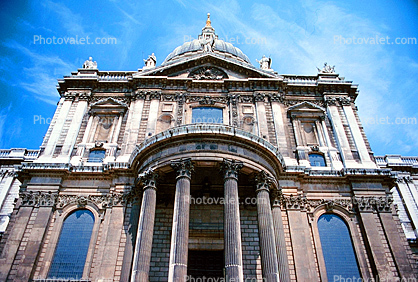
[(250, 245), (160, 253)]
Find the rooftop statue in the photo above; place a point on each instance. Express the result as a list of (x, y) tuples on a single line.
[(327, 69), (265, 63), (151, 62), (89, 64)]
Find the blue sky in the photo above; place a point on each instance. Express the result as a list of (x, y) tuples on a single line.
[(298, 35)]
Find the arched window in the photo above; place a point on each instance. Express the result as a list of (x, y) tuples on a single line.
[(207, 115), (317, 160), (337, 248), (73, 244)]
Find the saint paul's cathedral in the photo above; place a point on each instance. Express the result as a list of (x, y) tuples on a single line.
[(206, 168)]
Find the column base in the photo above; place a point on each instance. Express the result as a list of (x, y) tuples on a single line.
[(178, 273), (234, 273)]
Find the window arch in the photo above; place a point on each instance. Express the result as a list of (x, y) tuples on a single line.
[(337, 248), (207, 115), (72, 247)]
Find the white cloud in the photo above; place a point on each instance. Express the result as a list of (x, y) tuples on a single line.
[(4, 113), (130, 17), (298, 44), (71, 22), (41, 75), (181, 2)]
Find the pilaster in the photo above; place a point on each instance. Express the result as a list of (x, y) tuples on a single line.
[(21, 251), (71, 137), (301, 239), (357, 136), (341, 137), (57, 128)]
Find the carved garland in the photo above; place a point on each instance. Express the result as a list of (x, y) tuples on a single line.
[(180, 97), (360, 204), (207, 100), (234, 107), (49, 199), (335, 101)]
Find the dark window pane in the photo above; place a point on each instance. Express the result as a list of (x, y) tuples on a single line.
[(340, 260), (96, 156), (73, 244), (207, 115), (317, 160)]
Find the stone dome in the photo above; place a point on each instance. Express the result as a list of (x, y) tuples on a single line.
[(207, 42)]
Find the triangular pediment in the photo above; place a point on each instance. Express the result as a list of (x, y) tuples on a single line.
[(207, 66), (306, 108), (109, 102), (108, 106)]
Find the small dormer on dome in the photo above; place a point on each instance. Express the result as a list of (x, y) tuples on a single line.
[(207, 42)]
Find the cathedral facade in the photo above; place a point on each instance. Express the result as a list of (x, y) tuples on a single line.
[(204, 167)]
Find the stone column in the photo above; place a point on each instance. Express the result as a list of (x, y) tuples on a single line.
[(232, 225), (142, 255), (180, 230), (284, 272), (266, 229)]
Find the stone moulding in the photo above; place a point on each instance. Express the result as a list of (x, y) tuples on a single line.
[(72, 168), (207, 129), (340, 173)]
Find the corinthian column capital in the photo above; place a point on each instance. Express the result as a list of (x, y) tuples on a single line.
[(183, 167), (230, 168), (263, 181), (148, 179)]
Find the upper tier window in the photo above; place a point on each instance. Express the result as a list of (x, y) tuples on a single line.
[(207, 115), (317, 160), (96, 156)]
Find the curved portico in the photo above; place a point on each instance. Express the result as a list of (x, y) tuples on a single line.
[(213, 142), (235, 164)]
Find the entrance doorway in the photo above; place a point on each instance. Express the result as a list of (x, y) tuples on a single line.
[(208, 264)]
